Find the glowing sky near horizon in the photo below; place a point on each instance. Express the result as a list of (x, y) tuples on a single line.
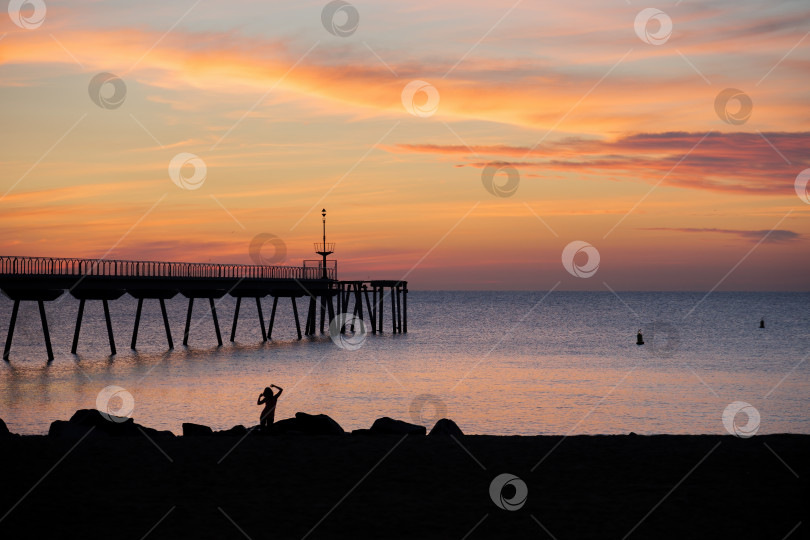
[(616, 141)]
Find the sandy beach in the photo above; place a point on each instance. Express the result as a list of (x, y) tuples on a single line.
[(362, 486)]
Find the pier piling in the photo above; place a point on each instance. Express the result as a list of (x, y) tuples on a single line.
[(78, 329), (297, 322), (45, 331), (272, 318), (261, 317), (109, 325), (188, 321), (14, 311), (216, 321), (236, 317), (166, 323)]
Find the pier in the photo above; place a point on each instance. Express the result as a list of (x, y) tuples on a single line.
[(43, 280)]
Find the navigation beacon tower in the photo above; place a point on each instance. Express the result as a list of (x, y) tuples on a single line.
[(323, 249)]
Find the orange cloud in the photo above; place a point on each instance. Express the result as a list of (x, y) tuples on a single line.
[(522, 92)]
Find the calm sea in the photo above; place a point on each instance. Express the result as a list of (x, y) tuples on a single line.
[(495, 362)]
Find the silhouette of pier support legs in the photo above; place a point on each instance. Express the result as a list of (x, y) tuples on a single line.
[(45, 331), (374, 312), (322, 305), (381, 309), (397, 292), (235, 317), (272, 318), (358, 303), (310, 326), (369, 310), (331, 306), (393, 310), (188, 321), (78, 329), (210, 294), (253, 294), (216, 321), (344, 297), (295, 313), (162, 296), (399, 308), (109, 326), (166, 323), (40, 297), (11, 326), (134, 330), (405, 309), (261, 317), (105, 295)]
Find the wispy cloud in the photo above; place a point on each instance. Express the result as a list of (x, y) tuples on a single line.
[(725, 162), (776, 236)]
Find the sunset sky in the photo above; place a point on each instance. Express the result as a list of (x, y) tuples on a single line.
[(617, 141)]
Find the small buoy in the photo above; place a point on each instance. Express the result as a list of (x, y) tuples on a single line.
[(639, 338), (762, 323)]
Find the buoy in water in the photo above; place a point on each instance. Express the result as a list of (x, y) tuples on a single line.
[(639, 338), (762, 323)]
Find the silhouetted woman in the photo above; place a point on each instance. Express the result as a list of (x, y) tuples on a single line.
[(269, 399)]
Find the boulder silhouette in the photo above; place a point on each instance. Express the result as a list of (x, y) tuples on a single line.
[(4, 432), (235, 431), (308, 424), (318, 424), (445, 428), (115, 425), (91, 418), (389, 426), (63, 428), (85, 420), (196, 430), (287, 425)]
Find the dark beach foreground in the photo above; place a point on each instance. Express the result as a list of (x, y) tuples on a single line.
[(390, 486)]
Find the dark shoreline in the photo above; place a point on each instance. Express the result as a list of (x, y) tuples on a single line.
[(284, 486)]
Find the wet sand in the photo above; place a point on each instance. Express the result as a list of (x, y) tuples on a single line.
[(352, 486)]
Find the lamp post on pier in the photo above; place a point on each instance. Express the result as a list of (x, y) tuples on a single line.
[(325, 248)]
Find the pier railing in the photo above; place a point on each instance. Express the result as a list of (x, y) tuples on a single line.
[(107, 267)]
